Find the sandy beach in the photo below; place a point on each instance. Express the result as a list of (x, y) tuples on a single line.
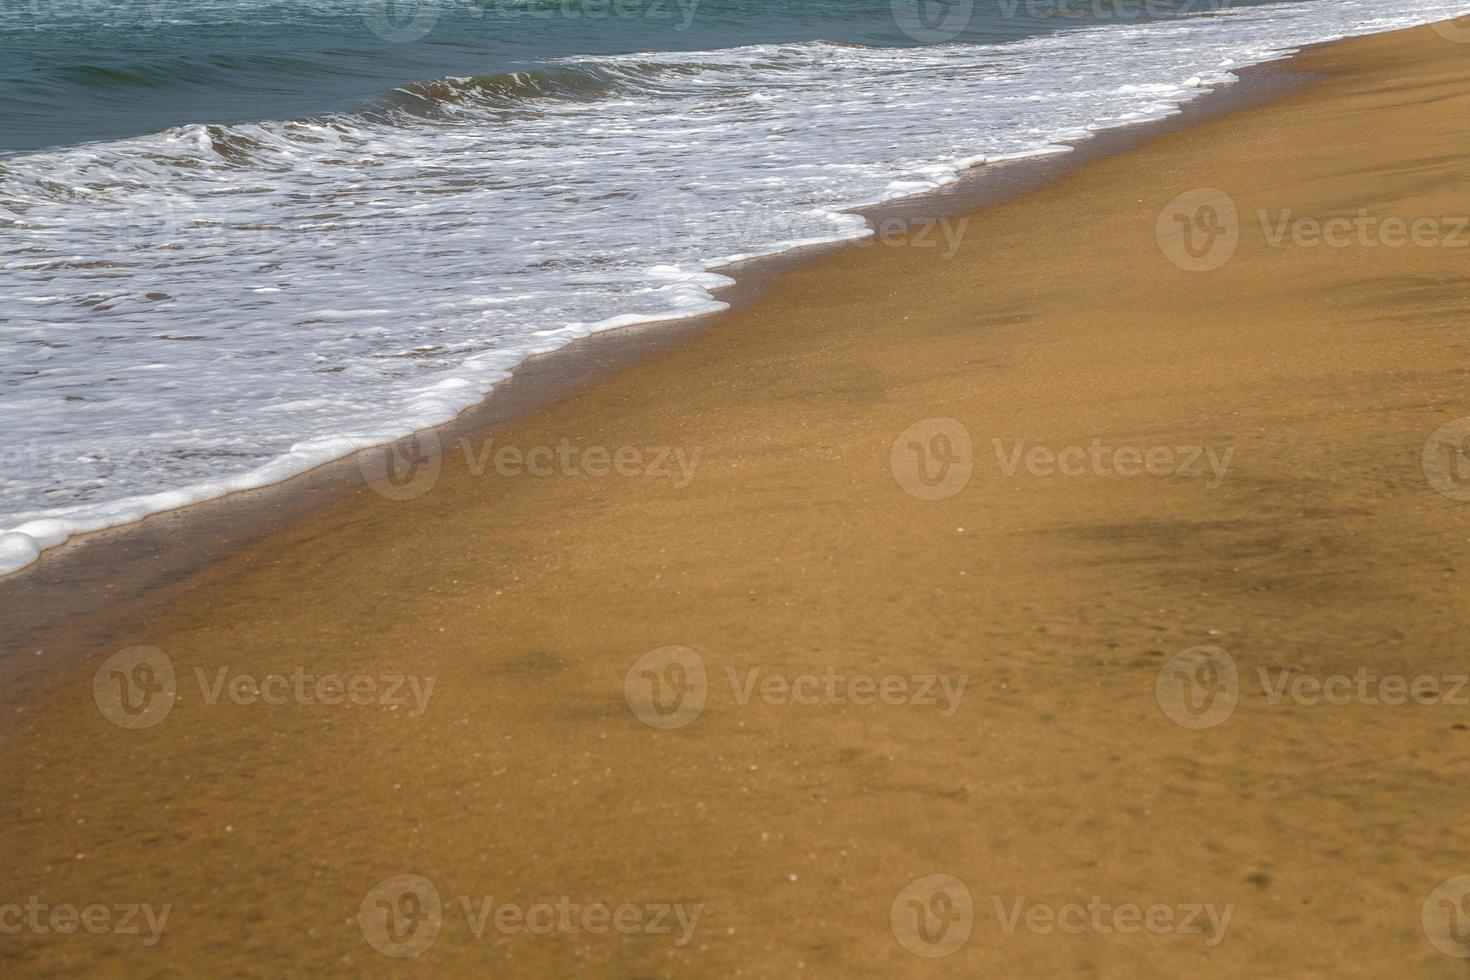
[(1089, 551)]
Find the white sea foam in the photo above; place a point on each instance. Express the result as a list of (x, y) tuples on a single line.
[(214, 309)]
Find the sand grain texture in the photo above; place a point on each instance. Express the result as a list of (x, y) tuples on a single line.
[(794, 549)]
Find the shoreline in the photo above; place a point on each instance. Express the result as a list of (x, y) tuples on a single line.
[(1092, 519), (92, 574)]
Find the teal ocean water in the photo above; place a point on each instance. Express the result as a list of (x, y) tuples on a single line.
[(240, 238), (99, 69)]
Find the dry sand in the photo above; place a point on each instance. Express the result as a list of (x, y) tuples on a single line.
[(795, 549)]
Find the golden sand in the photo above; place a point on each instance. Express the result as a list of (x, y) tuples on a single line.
[(1275, 409)]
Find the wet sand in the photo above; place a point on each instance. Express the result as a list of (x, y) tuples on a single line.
[(767, 495), (126, 570)]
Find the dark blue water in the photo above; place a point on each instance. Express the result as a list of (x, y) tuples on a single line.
[(98, 69)]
